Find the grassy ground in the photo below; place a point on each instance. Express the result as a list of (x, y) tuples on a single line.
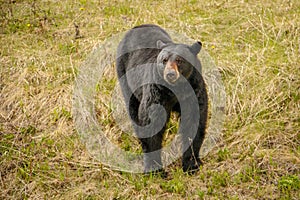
[(255, 45)]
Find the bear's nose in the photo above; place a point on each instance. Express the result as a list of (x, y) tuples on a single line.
[(171, 75)]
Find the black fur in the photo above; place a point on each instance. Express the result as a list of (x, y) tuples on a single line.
[(145, 50)]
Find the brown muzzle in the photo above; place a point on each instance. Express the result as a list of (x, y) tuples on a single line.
[(171, 73)]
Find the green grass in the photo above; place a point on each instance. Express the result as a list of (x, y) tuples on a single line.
[(255, 45)]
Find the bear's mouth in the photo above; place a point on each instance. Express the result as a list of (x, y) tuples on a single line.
[(171, 80)]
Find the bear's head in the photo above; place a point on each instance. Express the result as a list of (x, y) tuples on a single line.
[(177, 61)]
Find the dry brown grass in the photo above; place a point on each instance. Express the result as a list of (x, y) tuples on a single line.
[(255, 45)]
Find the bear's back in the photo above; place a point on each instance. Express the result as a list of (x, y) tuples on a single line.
[(142, 37)]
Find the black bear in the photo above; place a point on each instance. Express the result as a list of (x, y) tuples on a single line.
[(154, 73)]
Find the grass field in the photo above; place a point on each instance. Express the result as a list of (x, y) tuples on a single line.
[(256, 46)]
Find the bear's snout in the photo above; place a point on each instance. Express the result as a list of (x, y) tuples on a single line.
[(171, 73)]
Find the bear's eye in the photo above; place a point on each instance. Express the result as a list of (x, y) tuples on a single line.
[(165, 60), (179, 60)]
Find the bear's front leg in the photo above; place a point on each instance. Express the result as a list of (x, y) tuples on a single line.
[(152, 123), (152, 153), (191, 143), (190, 158)]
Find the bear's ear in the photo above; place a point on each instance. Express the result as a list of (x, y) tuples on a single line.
[(196, 47), (160, 44)]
